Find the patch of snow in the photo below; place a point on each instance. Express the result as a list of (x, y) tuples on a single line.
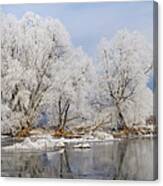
[(60, 144), (148, 135), (103, 135), (37, 132), (39, 144)]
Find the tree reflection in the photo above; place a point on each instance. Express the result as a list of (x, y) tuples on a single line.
[(65, 169), (122, 148), (128, 159)]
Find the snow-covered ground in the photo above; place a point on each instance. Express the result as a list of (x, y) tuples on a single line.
[(40, 141), (47, 142)]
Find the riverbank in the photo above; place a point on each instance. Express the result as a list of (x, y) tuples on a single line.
[(41, 140)]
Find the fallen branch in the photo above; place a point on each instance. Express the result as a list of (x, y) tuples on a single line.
[(92, 128)]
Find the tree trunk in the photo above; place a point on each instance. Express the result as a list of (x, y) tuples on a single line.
[(121, 124), (65, 116), (63, 113), (60, 113)]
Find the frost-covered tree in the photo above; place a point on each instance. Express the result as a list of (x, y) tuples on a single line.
[(42, 71), (70, 95), (125, 65), (30, 47)]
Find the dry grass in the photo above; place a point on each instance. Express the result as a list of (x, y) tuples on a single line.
[(132, 131), (24, 133), (64, 133)]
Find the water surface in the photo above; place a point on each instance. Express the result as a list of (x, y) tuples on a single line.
[(128, 160)]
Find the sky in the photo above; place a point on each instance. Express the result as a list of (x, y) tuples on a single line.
[(87, 23)]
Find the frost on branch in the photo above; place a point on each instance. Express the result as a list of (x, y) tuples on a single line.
[(125, 63), (43, 73), (29, 47), (69, 96)]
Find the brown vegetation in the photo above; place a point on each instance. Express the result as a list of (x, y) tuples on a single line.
[(65, 133), (133, 131), (25, 132)]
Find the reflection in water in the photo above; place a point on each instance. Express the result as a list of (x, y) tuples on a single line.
[(130, 159)]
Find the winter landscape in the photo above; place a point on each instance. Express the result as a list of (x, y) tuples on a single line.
[(68, 114)]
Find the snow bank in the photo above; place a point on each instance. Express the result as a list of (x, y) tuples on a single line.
[(103, 135), (47, 142)]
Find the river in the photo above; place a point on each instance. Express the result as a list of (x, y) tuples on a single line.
[(126, 159)]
